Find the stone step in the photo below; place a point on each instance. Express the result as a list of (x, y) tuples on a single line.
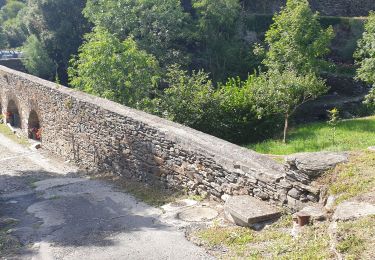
[(246, 210)]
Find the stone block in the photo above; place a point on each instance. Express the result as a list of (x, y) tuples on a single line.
[(314, 164), (351, 210), (246, 210)]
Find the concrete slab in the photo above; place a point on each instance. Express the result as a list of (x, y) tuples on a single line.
[(246, 210), (198, 214)]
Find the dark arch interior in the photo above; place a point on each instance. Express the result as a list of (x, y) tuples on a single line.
[(34, 126), (13, 116)]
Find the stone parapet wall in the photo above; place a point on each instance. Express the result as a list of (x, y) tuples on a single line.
[(103, 136), (351, 8)]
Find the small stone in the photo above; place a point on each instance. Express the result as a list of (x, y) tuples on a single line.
[(315, 212), (330, 203), (260, 194), (371, 148), (294, 193)]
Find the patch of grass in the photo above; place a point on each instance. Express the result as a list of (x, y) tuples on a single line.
[(196, 198), (54, 197), (350, 135), (353, 178), (273, 242), (4, 129), (8, 243), (223, 236), (356, 238)]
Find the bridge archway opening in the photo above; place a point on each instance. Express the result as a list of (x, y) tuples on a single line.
[(35, 130), (13, 115)]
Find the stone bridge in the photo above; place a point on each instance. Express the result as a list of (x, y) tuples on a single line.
[(102, 136)]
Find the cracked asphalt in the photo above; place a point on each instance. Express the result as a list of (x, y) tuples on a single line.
[(62, 215)]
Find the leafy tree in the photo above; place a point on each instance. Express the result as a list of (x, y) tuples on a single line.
[(296, 46), (16, 30), (37, 61), (283, 92), (114, 69), (11, 9), (60, 26), (296, 41), (221, 50), (365, 57), (189, 99), (159, 26), (11, 15)]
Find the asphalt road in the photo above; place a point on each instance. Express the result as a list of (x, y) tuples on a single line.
[(62, 215)]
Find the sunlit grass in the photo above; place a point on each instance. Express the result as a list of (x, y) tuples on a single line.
[(355, 134), (4, 129), (351, 179), (274, 242)]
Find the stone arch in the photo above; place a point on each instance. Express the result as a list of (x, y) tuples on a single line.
[(34, 126), (13, 115)]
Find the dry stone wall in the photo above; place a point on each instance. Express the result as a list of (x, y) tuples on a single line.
[(102, 136), (350, 8)]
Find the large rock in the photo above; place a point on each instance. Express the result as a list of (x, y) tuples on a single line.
[(314, 164), (246, 211), (350, 210)]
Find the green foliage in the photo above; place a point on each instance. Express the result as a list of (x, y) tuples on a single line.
[(365, 56), (226, 112), (207, 37), (11, 9), (333, 116), (237, 119), (159, 26), (296, 40), (189, 99), (219, 41), (11, 17), (282, 93), (59, 26), (296, 45), (114, 69), (37, 61)]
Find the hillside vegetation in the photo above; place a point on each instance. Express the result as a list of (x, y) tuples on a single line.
[(218, 66)]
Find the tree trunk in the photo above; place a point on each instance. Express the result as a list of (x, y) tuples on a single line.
[(286, 127)]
